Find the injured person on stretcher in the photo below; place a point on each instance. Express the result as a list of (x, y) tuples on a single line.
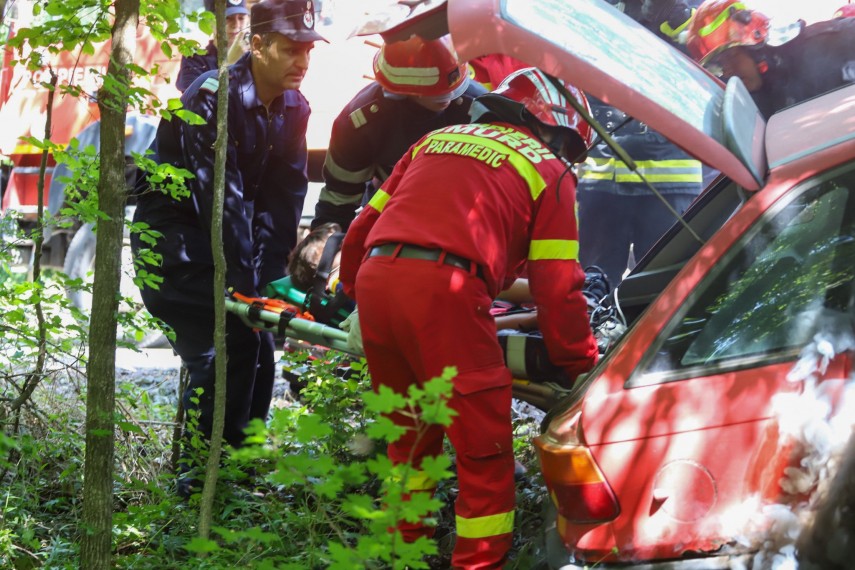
[(312, 287)]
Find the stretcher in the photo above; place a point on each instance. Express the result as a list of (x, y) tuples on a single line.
[(536, 380)]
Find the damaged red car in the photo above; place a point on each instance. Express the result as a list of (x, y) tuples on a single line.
[(714, 419)]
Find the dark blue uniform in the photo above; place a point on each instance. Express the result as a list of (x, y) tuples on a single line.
[(616, 209), (264, 190), (819, 59), (368, 138), (195, 65)]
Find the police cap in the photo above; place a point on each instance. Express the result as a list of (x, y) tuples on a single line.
[(294, 19), (233, 7)]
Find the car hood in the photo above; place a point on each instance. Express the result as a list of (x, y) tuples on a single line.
[(595, 47)]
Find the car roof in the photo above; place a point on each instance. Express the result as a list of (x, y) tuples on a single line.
[(595, 47), (797, 133)]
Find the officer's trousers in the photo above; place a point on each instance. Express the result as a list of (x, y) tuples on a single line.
[(182, 302), (418, 317), (610, 223)]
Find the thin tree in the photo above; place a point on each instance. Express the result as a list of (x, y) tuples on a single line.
[(95, 550), (208, 491)]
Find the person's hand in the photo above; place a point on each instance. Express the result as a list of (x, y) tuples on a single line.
[(354, 332), (239, 47)]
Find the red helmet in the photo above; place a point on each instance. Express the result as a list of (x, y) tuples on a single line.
[(528, 95), (722, 24), (421, 68), (847, 11)]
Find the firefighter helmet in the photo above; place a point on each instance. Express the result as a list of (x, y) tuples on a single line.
[(528, 96), (722, 24), (421, 68), (847, 11)]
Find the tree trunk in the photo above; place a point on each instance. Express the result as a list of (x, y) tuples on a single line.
[(95, 549), (208, 492)]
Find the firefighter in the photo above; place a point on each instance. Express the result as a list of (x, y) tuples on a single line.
[(618, 213), (419, 86), (732, 40), (237, 18), (463, 210), (265, 185)]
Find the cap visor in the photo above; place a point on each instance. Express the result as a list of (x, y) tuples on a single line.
[(303, 35)]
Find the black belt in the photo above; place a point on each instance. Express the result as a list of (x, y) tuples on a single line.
[(417, 252)]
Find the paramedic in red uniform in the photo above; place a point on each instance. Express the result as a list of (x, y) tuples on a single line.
[(463, 210)]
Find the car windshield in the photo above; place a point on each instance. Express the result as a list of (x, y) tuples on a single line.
[(791, 275)]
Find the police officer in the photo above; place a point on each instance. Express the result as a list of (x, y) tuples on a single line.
[(618, 213), (237, 18), (732, 40), (419, 86), (463, 210), (265, 185)]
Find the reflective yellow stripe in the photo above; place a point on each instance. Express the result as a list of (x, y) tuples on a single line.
[(633, 177), (521, 164), (553, 249), (482, 527), (419, 481), (720, 19), (672, 33), (677, 170), (378, 201)]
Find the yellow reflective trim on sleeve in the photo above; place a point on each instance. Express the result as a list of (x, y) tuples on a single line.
[(378, 201), (482, 527), (542, 249), (521, 164)]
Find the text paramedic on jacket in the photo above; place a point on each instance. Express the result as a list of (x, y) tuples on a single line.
[(265, 184), (463, 210)]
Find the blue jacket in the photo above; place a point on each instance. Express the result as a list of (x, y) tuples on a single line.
[(265, 181), (664, 165), (195, 65)]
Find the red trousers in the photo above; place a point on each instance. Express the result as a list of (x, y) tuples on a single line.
[(418, 317)]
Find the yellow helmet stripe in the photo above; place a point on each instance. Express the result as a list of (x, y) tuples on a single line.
[(720, 19)]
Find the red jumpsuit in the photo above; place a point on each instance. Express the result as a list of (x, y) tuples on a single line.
[(487, 193)]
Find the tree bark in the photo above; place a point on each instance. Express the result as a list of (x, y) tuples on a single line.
[(96, 544)]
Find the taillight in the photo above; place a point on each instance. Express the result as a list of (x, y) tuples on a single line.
[(576, 485)]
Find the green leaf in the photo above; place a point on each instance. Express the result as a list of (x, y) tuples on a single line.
[(200, 545), (311, 428), (130, 427), (189, 117), (386, 429), (384, 401)]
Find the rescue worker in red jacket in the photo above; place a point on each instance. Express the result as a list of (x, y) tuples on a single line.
[(732, 40), (463, 210), (420, 86)]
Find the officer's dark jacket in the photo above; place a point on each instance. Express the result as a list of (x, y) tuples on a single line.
[(195, 65), (368, 137), (265, 181), (819, 59), (664, 165)]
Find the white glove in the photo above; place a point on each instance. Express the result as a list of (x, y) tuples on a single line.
[(354, 333)]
